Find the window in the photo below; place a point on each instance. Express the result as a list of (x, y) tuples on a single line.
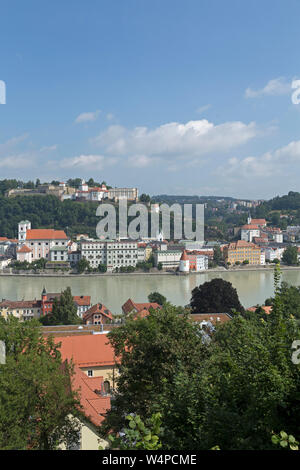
[(90, 373)]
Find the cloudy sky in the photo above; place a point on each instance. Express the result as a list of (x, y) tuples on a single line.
[(173, 97)]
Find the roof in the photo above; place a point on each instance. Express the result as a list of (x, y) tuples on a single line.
[(93, 404), (184, 256), (250, 227), (24, 249), (214, 318), (45, 234), (259, 221), (241, 244), (267, 309), (87, 350), (130, 305), (99, 309), (82, 299), (20, 303)]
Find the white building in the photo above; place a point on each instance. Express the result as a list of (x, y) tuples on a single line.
[(113, 253), (168, 258), (249, 231)]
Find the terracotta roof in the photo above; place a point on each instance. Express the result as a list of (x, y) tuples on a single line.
[(24, 249), (82, 299), (240, 244), (214, 318), (86, 350), (258, 221), (184, 256), (266, 308), (99, 309), (93, 404), (20, 303), (250, 227), (130, 305), (45, 234)]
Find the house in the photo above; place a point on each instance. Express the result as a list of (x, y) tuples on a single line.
[(43, 243), (266, 308), (240, 251), (21, 309), (97, 315), (83, 303), (249, 231), (138, 310)]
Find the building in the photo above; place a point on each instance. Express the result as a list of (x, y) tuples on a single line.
[(242, 251), (97, 315), (131, 194), (169, 259), (21, 309), (41, 242), (249, 231), (272, 253), (83, 303), (138, 310), (113, 253)]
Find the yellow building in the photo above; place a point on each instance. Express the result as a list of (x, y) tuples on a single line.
[(242, 251), (21, 309)]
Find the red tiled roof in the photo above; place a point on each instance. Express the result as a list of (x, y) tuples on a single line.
[(93, 404), (86, 350), (45, 234), (99, 309), (130, 305), (20, 303), (24, 249), (266, 308), (82, 299), (258, 221), (250, 227)]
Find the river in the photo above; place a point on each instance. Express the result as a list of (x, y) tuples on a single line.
[(253, 287)]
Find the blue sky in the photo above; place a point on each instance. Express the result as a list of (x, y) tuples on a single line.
[(177, 97)]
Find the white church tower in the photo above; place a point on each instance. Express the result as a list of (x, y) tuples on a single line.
[(23, 226)]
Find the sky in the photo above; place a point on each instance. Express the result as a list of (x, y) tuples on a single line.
[(186, 97)]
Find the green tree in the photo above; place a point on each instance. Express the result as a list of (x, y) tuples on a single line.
[(290, 255), (64, 311), (157, 297), (83, 265), (215, 296), (218, 258), (36, 400)]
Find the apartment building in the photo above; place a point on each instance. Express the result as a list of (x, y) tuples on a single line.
[(169, 259), (241, 251), (113, 253), (21, 309)]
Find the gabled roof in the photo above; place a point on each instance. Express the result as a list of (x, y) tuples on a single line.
[(99, 309), (86, 350), (130, 305), (45, 234), (93, 404), (24, 249), (82, 299)]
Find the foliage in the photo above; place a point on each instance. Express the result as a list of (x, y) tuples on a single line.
[(64, 311), (218, 258), (138, 436), (36, 400), (215, 296), (290, 255), (157, 297), (286, 441)]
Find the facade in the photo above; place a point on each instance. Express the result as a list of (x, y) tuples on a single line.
[(97, 315), (131, 194), (83, 303), (241, 251), (168, 258), (21, 309), (248, 232), (41, 242), (138, 310), (113, 253)]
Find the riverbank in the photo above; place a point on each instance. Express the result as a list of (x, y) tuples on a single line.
[(219, 270)]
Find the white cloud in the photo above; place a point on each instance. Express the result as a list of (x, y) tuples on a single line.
[(190, 140), (48, 148), (96, 162), (283, 162), (140, 161), (16, 161), (201, 109), (110, 116), (87, 117), (274, 87)]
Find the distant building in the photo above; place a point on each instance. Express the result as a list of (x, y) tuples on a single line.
[(97, 315), (138, 310), (241, 251)]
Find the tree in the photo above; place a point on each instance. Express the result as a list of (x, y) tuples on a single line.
[(157, 297), (217, 255), (290, 255), (36, 399), (64, 311), (159, 266), (83, 265), (148, 386), (102, 268), (215, 296)]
